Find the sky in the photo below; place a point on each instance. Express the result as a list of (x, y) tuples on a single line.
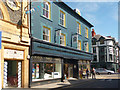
[(102, 15)]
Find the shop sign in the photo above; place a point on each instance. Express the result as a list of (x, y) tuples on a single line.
[(16, 54), (46, 59)]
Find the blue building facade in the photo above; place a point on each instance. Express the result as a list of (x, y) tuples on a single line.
[(60, 42)]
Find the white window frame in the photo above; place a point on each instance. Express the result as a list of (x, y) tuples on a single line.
[(46, 7), (79, 45), (62, 39), (62, 18), (46, 34)]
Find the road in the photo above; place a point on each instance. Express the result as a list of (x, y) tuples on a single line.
[(101, 81)]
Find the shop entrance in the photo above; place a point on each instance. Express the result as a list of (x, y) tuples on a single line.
[(12, 74), (68, 70)]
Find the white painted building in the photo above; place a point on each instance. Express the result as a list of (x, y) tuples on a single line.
[(106, 52)]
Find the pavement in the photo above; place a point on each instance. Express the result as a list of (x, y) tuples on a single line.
[(71, 81)]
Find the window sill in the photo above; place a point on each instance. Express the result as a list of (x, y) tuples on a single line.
[(79, 34), (86, 38), (46, 41), (62, 26), (46, 18)]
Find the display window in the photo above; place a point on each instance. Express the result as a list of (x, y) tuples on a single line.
[(44, 71)]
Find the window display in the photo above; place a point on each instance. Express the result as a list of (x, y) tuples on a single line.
[(42, 71), (48, 69)]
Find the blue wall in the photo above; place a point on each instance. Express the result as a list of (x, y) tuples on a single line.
[(38, 20)]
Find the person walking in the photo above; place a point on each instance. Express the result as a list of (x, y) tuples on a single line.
[(93, 73), (87, 73), (81, 73)]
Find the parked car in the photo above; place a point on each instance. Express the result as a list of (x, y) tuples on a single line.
[(103, 71)]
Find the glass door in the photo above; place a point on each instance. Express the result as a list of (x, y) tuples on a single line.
[(70, 70), (12, 74)]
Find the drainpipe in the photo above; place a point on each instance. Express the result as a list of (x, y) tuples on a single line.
[(62, 69), (30, 50)]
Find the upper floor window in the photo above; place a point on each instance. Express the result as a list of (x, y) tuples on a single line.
[(86, 32), (95, 58), (46, 33), (79, 45), (1, 14), (63, 39), (102, 41), (78, 28), (94, 49), (46, 9), (93, 41), (87, 47), (62, 18)]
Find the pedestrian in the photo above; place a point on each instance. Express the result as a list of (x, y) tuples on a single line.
[(81, 73), (87, 73), (65, 78), (93, 73)]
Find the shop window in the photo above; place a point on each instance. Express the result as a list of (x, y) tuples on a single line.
[(43, 71), (62, 18), (79, 45), (46, 9), (46, 33), (78, 28), (63, 39), (1, 14)]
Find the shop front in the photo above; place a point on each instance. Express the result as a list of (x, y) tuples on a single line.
[(70, 68), (45, 68), (14, 66), (51, 62), (84, 64)]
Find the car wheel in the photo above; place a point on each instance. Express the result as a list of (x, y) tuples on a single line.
[(97, 73), (109, 73)]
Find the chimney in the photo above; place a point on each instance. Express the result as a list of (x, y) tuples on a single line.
[(93, 33), (109, 36)]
